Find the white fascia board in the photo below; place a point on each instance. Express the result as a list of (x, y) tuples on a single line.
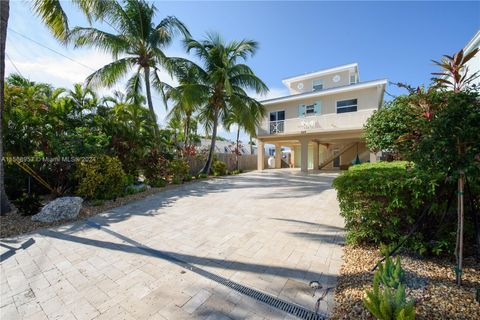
[(319, 73), (314, 94)]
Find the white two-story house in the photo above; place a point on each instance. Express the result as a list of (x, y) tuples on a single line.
[(322, 119)]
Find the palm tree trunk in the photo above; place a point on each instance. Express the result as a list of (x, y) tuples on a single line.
[(208, 164), (4, 13), (251, 145), (238, 149), (149, 101), (187, 129)]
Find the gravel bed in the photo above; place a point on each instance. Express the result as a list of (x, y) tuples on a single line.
[(14, 224), (430, 282)]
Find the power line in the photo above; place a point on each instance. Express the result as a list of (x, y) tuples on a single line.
[(13, 64), (61, 54), (53, 50)]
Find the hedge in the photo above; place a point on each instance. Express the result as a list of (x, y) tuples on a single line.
[(381, 201)]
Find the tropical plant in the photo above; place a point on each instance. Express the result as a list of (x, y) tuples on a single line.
[(219, 168), (187, 99), (103, 178), (54, 17), (223, 79), (245, 116), (387, 300), (454, 72), (138, 43)]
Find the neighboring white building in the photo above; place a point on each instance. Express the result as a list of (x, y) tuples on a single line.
[(474, 64), (322, 119), (225, 146)]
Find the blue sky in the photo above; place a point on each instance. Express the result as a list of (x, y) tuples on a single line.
[(394, 40)]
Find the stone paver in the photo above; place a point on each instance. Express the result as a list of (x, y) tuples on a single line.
[(273, 231)]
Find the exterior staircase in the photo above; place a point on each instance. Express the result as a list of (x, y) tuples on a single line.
[(341, 151)]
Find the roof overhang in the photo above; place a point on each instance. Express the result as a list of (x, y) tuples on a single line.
[(352, 66), (315, 94)]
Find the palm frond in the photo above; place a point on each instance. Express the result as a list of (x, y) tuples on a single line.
[(91, 37), (108, 75)]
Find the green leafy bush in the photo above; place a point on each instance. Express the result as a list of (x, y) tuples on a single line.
[(236, 171), (219, 168), (387, 300), (28, 204), (102, 178), (176, 180), (178, 169), (202, 176), (380, 201), (156, 182), (188, 177)]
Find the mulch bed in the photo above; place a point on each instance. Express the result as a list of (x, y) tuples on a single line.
[(430, 282), (13, 224)]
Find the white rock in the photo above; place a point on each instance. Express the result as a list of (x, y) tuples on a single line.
[(64, 208)]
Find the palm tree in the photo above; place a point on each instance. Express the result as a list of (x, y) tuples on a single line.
[(246, 117), (138, 44), (224, 79), (186, 97), (54, 17)]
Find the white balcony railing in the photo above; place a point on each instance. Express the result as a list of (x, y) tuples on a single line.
[(327, 122)]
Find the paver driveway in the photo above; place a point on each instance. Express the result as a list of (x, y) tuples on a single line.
[(166, 256)]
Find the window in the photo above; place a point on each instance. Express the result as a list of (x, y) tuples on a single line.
[(353, 79), (277, 119), (310, 109), (277, 115), (317, 85), (347, 106)]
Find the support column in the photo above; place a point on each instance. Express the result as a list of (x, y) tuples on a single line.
[(373, 157), (316, 156), (304, 155), (292, 157), (278, 156), (260, 155)]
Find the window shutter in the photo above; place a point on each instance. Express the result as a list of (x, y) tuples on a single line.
[(301, 110), (318, 107)]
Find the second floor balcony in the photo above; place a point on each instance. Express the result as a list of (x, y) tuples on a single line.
[(316, 123)]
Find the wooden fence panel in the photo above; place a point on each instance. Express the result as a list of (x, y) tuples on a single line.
[(246, 162)]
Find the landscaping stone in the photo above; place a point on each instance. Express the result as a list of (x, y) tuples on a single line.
[(65, 208)]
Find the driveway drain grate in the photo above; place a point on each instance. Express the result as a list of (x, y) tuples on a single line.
[(277, 303)]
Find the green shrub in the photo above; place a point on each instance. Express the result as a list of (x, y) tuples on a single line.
[(155, 167), (156, 182), (97, 202), (176, 180), (219, 168), (188, 177), (236, 171), (178, 169), (28, 204), (102, 178), (387, 300), (380, 201), (202, 176)]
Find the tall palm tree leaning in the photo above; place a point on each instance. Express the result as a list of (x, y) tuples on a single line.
[(224, 79), (139, 44), (54, 17)]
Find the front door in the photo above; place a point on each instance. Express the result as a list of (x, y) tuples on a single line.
[(336, 161)]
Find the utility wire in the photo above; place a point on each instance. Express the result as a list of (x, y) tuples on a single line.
[(53, 50), (61, 54), (13, 64)]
